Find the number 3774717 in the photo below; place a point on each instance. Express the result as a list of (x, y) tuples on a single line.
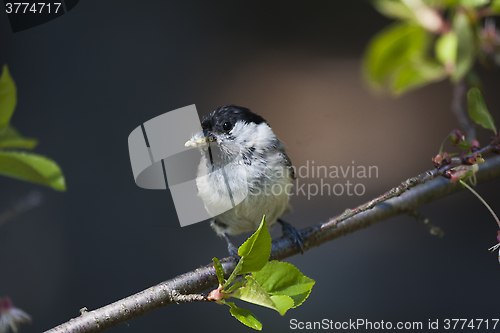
[(32, 7)]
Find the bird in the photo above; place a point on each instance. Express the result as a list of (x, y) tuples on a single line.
[(244, 173)]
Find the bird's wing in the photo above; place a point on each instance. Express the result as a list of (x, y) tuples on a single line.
[(288, 163)]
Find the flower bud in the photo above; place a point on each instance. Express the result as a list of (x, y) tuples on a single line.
[(474, 145), (456, 136), (438, 160)]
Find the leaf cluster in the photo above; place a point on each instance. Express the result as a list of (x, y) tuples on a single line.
[(431, 40), (273, 284), (19, 164)]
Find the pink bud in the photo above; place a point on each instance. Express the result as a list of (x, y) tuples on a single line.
[(438, 160), (474, 145), (215, 295), (456, 136)]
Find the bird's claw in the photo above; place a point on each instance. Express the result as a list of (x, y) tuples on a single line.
[(233, 250), (293, 233)]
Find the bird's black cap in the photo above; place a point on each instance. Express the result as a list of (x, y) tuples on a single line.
[(229, 113)]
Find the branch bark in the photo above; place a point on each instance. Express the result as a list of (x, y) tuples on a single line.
[(184, 288)]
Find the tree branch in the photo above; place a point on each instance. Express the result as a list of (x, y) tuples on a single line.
[(184, 287)]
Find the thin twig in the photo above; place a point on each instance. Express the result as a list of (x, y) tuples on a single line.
[(21, 206), (482, 201)]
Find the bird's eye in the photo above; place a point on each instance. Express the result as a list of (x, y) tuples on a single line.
[(227, 126)]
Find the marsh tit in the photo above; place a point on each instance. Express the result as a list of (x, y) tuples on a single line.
[(244, 173)]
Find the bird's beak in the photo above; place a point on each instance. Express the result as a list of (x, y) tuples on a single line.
[(209, 137)]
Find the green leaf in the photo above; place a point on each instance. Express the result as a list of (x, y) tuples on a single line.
[(393, 9), (10, 138), (281, 278), (235, 273), (245, 316), (252, 292), (283, 303), (441, 4), (413, 75), (233, 287), (391, 48), (33, 168), (219, 271), (478, 110), (465, 49), (256, 250), (474, 3), (8, 97), (446, 48), (464, 145), (495, 7)]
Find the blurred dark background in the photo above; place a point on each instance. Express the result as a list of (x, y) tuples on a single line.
[(88, 78)]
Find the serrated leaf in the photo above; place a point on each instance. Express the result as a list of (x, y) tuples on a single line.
[(283, 303), (391, 48), (256, 250), (446, 48), (281, 278), (245, 316), (478, 111), (252, 292), (465, 47), (8, 97), (219, 271), (33, 168), (11, 138)]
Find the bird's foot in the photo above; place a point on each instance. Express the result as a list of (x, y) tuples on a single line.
[(293, 233), (233, 250)]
